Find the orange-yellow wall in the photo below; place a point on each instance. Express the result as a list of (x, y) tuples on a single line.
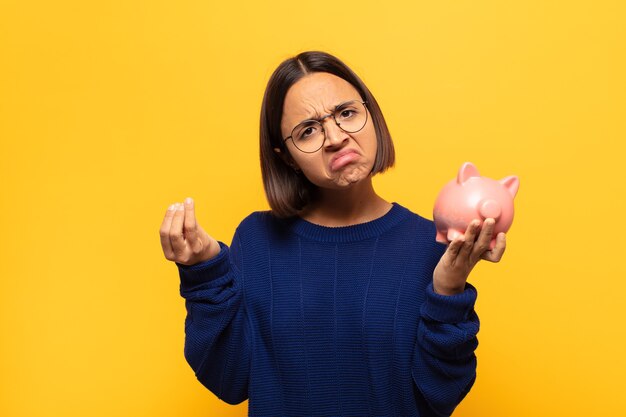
[(111, 111)]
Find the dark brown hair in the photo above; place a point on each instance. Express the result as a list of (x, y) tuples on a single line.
[(289, 191)]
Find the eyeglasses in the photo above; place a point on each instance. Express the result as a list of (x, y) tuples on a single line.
[(309, 136)]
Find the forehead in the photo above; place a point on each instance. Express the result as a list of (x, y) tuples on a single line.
[(315, 94)]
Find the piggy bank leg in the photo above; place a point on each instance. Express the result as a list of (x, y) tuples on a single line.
[(453, 234), (441, 237)]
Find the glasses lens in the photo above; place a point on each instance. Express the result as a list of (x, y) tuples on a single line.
[(308, 136), (351, 116)]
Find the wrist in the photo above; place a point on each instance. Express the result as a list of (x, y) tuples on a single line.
[(443, 289), (212, 250)]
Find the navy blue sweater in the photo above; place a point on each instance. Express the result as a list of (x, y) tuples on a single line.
[(307, 320)]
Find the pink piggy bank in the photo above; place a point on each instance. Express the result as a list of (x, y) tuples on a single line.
[(471, 197)]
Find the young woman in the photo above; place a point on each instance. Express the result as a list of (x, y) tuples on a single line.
[(335, 302)]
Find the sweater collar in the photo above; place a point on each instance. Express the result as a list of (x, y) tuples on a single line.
[(361, 231)]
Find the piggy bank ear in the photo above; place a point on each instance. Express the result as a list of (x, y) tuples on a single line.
[(467, 171), (511, 183)]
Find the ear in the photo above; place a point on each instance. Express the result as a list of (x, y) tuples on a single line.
[(287, 159), (467, 171), (511, 183)]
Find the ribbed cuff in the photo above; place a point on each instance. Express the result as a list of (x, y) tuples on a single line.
[(449, 308), (192, 275)]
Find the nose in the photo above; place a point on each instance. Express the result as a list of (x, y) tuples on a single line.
[(334, 136)]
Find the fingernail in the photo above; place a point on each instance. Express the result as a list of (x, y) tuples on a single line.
[(188, 200), (179, 206), (171, 207)]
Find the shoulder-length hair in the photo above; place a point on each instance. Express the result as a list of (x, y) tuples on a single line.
[(288, 191)]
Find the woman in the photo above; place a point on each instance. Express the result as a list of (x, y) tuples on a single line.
[(336, 302)]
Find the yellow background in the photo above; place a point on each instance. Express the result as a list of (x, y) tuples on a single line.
[(112, 110)]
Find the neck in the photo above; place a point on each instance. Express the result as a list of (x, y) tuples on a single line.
[(353, 205)]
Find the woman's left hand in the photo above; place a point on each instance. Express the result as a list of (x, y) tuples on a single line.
[(463, 253)]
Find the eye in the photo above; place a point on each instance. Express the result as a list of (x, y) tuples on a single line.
[(305, 131), (347, 111)]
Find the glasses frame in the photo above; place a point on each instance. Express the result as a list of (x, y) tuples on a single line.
[(321, 119)]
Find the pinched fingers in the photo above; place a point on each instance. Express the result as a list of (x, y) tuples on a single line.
[(182, 238), (496, 253), (164, 232)]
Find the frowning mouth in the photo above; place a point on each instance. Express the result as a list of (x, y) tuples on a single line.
[(343, 158)]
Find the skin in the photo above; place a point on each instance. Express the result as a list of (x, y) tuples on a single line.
[(346, 194), (315, 95)]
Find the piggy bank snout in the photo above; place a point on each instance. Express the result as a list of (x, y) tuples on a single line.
[(490, 208)]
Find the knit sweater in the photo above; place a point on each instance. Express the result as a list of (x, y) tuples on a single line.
[(308, 320)]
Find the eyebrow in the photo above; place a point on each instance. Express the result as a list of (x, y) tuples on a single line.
[(316, 119)]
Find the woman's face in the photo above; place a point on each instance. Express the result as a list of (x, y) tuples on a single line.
[(345, 158)]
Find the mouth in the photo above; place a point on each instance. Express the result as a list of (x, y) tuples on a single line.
[(343, 158)]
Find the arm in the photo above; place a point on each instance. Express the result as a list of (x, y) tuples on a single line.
[(217, 345), (444, 366), (217, 342), (444, 363)]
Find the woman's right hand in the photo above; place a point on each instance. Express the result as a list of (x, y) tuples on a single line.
[(182, 238)]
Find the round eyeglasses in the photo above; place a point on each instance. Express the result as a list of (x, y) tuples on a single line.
[(309, 136)]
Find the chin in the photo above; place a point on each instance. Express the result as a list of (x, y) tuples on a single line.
[(347, 179)]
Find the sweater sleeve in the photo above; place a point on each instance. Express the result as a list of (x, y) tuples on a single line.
[(217, 342), (444, 363)]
